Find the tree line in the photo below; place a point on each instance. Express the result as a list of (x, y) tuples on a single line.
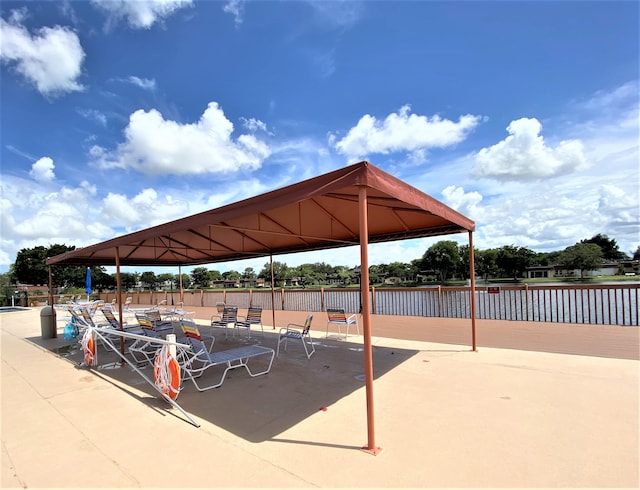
[(445, 260)]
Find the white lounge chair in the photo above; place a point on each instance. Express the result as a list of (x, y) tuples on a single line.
[(197, 360)]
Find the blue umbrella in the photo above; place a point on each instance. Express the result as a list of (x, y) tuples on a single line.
[(88, 283)]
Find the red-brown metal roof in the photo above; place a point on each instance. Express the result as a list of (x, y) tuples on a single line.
[(314, 214)]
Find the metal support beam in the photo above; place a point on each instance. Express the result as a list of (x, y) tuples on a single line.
[(366, 318), (472, 292)]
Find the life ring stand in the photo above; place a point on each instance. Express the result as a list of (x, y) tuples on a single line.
[(166, 373)]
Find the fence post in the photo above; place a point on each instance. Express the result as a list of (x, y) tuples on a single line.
[(439, 301), (322, 299), (373, 300)]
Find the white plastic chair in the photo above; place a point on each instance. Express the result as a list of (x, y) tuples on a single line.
[(294, 331), (337, 316)]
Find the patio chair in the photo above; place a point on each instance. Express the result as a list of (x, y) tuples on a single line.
[(77, 318), (127, 303), (197, 360), (159, 324), (229, 317), (88, 318), (338, 317), (254, 317), (294, 331), (114, 323), (220, 307), (95, 306), (144, 351), (188, 326)]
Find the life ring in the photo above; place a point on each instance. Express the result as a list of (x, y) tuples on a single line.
[(89, 347), (166, 373)]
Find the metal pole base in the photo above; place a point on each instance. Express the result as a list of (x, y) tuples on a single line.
[(375, 451)]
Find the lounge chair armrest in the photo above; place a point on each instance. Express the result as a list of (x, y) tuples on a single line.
[(296, 325), (352, 318)]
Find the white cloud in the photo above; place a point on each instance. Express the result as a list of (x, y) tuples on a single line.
[(51, 59), (235, 8), (33, 216), (145, 209), (143, 83), (253, 124), (140, 14), (612, 102), (93, 115), (42, 170), (524, 155), (465, 203), (156, 146), (402, 132), (338, 14)]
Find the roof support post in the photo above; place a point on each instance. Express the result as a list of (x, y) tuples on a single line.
[(53, 308), (472, 292), (119, 295), (366, 317), (273, 293)]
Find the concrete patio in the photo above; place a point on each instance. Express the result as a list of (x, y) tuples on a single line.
[(539, 405)]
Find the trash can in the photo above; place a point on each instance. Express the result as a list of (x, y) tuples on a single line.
[(47, 326)]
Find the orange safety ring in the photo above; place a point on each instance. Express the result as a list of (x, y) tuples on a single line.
[(167, 376), (89, 348)]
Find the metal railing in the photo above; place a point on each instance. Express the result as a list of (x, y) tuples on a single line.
[(610, 304)]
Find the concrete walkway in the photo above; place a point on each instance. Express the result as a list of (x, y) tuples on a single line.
[(444, 417)]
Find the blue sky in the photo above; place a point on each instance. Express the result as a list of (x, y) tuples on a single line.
[(116, 115)]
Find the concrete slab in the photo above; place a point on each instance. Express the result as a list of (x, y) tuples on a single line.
[(444, 416)]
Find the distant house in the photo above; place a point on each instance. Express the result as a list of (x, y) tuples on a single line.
[(605, 269), (398, 280), (539, 271)]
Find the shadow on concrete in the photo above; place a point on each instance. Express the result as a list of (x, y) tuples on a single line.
[(255, 409)]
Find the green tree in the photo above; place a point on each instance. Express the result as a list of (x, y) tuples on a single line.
[(201, 278), (546, 258), (306, 274), (231, 275), (128, 280), (582, 256), (486, 263), (280, 272), (513, 260), (465, 264), (374, 274), (101, 281), (167, 280), (30, 267), (149, 279), (636, 254), (346, 275), (442, 257), (249, 273), (609, 247), (186, 281)]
